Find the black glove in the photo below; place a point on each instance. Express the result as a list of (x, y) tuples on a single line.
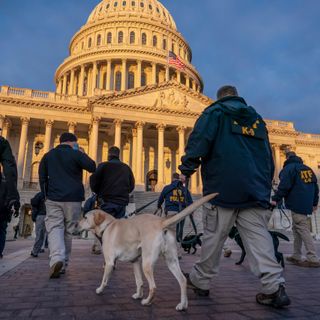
[(14, 206)]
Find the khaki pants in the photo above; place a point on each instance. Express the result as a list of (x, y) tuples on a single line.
[(61, 220), (40, 234), (301, 233), (252, 226)]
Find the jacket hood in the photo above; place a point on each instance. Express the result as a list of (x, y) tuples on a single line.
[(293, 159), (238, 109)]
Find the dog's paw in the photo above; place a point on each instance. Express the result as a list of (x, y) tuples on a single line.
[(99, 291), (182, 306), (137, 296)]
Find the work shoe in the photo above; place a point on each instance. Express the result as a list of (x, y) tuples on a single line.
[(33, 255), (227, 253), (293, 260), (55, 270), (199, 292), (277, 299), (309, 264), (42, 251)]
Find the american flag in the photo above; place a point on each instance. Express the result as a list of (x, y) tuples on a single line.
[(175, 60)]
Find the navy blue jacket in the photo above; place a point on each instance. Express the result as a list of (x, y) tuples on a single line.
[(298, 186), (230, 142), (60, 174), (38, 206), (176, 197), (113, 182)]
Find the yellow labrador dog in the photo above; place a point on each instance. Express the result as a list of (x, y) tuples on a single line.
[(146, 236)]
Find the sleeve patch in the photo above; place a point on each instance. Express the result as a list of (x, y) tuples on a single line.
[(257, 130)]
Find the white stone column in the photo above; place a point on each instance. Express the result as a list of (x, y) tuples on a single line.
[(194, 85), (154, 73), (81, 81), (2, 118), (109, 75), (72, 127), (71, 86), (139, 179), (161, 129), (94, 77), (181, 131), (194, 183), (6, 128), (101, 77), (277, 161), (64, 88), (187, 81), (47, 136), (59, 87), (22, 146), (117, 132), (178, 76), (139, 73), (124, 75), (167, 73), (94, 138), (134, 151)]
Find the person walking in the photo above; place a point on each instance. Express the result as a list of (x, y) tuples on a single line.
[(38, 216), (60, 176), (230, 142), (176, 198), (112, 182), (9, 195), (300, 191)]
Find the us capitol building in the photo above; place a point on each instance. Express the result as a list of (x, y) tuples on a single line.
[(117, 88)]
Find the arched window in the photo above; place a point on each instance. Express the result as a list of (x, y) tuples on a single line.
[(118, 81), (130, 80), (133, 3), (109, 37), (120, 37), (155, 41), (132, 37), (144, 39), (173, 47), (164, 44), (89, 43), (99, 40), (143, 79)]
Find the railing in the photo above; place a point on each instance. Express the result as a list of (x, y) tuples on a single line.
[(280, 124), (309, 136), (41, 95)]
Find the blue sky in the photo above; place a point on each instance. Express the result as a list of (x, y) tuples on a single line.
[(269, 49)]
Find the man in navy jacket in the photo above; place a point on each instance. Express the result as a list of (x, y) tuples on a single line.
[(230, 142), (299, 188), (60, 176)]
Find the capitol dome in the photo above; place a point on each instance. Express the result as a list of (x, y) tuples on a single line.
[(125, 45), (144, 9)]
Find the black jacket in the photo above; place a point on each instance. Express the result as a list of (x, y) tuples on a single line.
[(9, 170), (5, 214), (230, 142), (298, 186), (113, 181), (60, 174), (38, 206)]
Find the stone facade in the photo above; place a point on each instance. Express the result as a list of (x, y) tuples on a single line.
[(117, 88)]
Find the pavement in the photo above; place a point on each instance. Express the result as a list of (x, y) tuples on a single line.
[(27, 293)]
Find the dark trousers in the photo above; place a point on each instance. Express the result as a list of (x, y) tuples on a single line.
[(3, 233), (116, 210)]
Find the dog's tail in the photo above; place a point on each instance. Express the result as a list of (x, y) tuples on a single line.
[(280, 235), (187, 211)]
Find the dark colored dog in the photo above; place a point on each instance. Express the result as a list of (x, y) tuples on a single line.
[(234, 234), (191, 241)]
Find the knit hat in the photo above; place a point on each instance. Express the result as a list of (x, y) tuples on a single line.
[(68, 137)]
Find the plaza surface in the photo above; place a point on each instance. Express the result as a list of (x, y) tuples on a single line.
[(26, 292)]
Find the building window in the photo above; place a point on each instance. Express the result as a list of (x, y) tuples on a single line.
[(164, 44), (82, 45), (133, 3), (141, 4), (132, 37), (143, 79), (89, 43), (118, 81), (115, 4), (99, 40), (173, 47), (150, 6), (124, 3), (120, 37), (155, 41), (130, 80), (109, 37), (144, 39)]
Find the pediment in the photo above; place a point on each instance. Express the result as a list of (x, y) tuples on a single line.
[(172, 97)]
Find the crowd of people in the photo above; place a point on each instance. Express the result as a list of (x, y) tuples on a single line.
[(230, 142)]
